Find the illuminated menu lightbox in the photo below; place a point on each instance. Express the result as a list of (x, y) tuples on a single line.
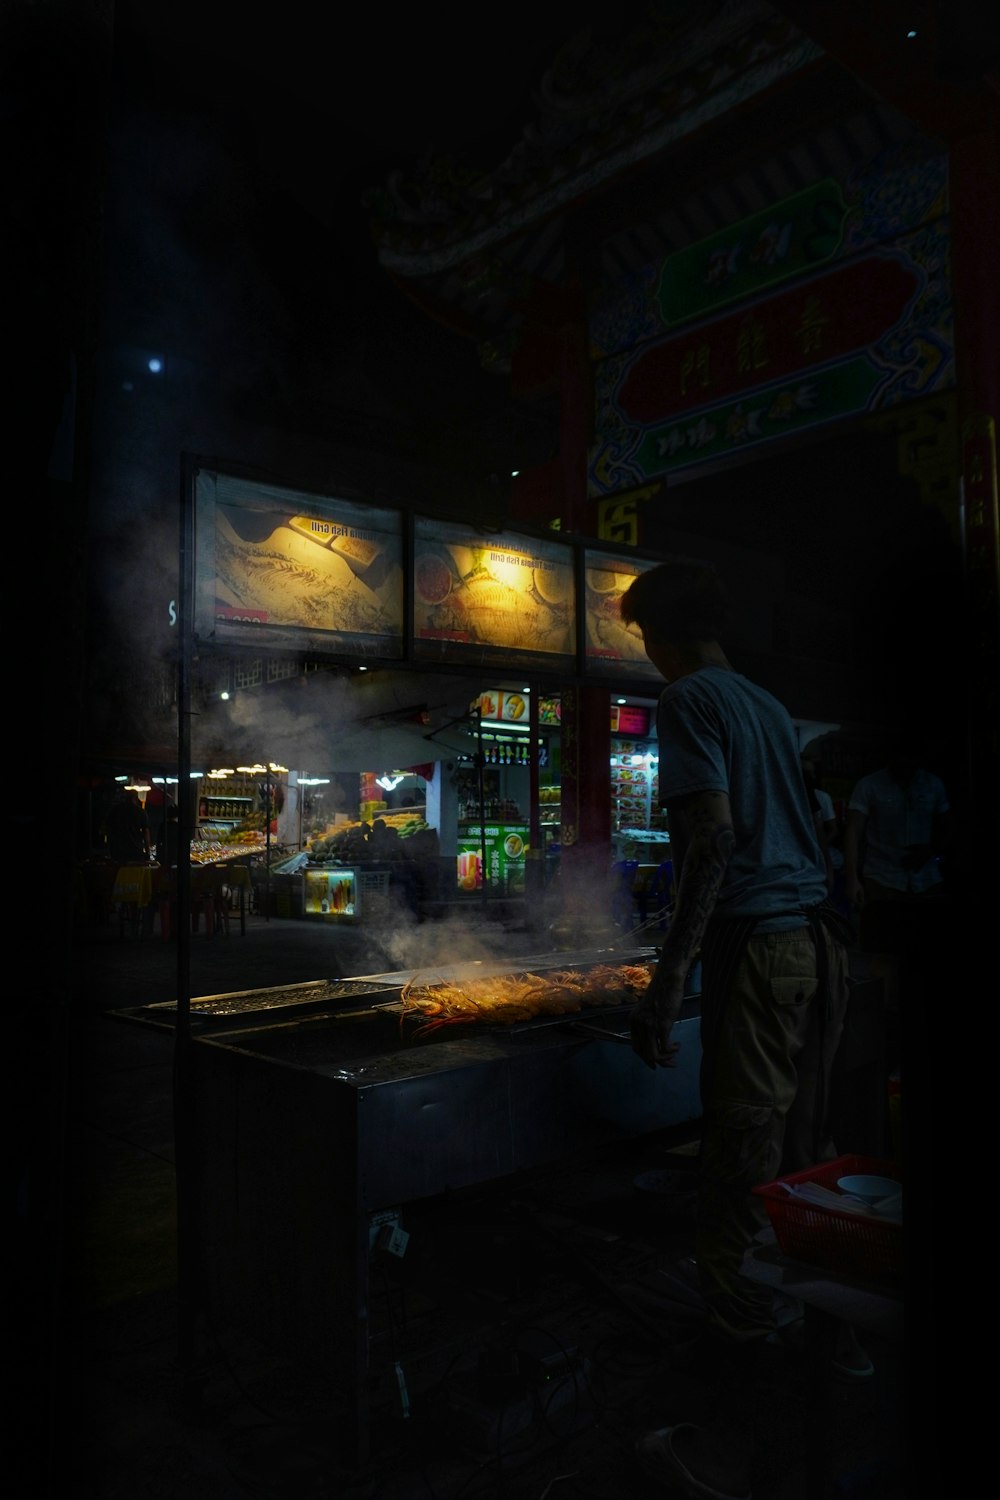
[(292, 567), (506, 598), (609, 642)]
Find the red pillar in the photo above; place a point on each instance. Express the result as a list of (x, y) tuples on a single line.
[(553, 358), (585, 864)]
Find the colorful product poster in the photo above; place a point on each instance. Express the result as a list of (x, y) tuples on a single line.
[(506, 847), (490, 597), (297, 567), (502, 707), (513, 708)]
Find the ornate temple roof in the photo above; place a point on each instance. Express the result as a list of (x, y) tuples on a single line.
[(602, 109), (640, 142)]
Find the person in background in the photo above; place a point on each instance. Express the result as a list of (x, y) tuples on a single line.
[(899, 824), (828, 831), (167, 836), (128, 828), (751, 899)]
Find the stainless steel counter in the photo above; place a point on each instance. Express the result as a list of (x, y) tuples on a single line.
[(318, 1123)]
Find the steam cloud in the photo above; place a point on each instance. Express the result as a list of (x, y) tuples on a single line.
[(329, 723)]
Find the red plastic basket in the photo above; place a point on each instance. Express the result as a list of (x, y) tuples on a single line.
[(844, 1242)]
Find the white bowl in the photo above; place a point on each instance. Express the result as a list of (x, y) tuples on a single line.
[(870, 1189)]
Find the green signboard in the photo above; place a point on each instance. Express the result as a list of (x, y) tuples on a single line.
[(780, 242)]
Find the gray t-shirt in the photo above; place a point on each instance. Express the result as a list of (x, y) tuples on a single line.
[(899, 817), (718, 732)]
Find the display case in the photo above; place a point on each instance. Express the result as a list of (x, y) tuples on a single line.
[(341, 893), (223, 811), (227, 800), (550, 807), (650, 846), (330, 893), (634, 784)]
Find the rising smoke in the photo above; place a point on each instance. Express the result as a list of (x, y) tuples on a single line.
[(329, 722)]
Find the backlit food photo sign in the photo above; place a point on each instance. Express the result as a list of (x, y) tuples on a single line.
[(285, 568), (490, 597), (608, 640), (296, 568)]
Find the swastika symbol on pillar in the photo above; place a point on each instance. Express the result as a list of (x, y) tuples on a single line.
[(617, 521)]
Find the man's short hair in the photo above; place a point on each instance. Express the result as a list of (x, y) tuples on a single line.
[(681, 600)]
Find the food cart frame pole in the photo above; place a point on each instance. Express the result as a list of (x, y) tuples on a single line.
[(267, 842), (185, 1128), (481, 789), (534, 864)]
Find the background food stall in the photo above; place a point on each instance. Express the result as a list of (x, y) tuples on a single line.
[(344, 872), (230, 834)]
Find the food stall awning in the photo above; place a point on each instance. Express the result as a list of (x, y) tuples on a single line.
[(392, 745), (382, 719)]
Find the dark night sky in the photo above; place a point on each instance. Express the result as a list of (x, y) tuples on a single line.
[(262, 140), (236, 237), (389, 83), (236, 245)]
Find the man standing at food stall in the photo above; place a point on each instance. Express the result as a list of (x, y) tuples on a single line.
[(751, 901), (128, 828)]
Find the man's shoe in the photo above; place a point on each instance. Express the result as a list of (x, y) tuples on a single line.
[(850, 1360)]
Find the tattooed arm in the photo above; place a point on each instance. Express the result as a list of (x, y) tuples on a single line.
[(701, 838)]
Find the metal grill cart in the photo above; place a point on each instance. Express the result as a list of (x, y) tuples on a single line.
[(326, 1118)]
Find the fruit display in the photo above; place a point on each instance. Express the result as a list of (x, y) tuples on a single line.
[(245, 836), (399, 835), (218, 851)]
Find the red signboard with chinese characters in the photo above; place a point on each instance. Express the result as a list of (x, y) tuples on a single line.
[(823, 319), (866, 334)]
